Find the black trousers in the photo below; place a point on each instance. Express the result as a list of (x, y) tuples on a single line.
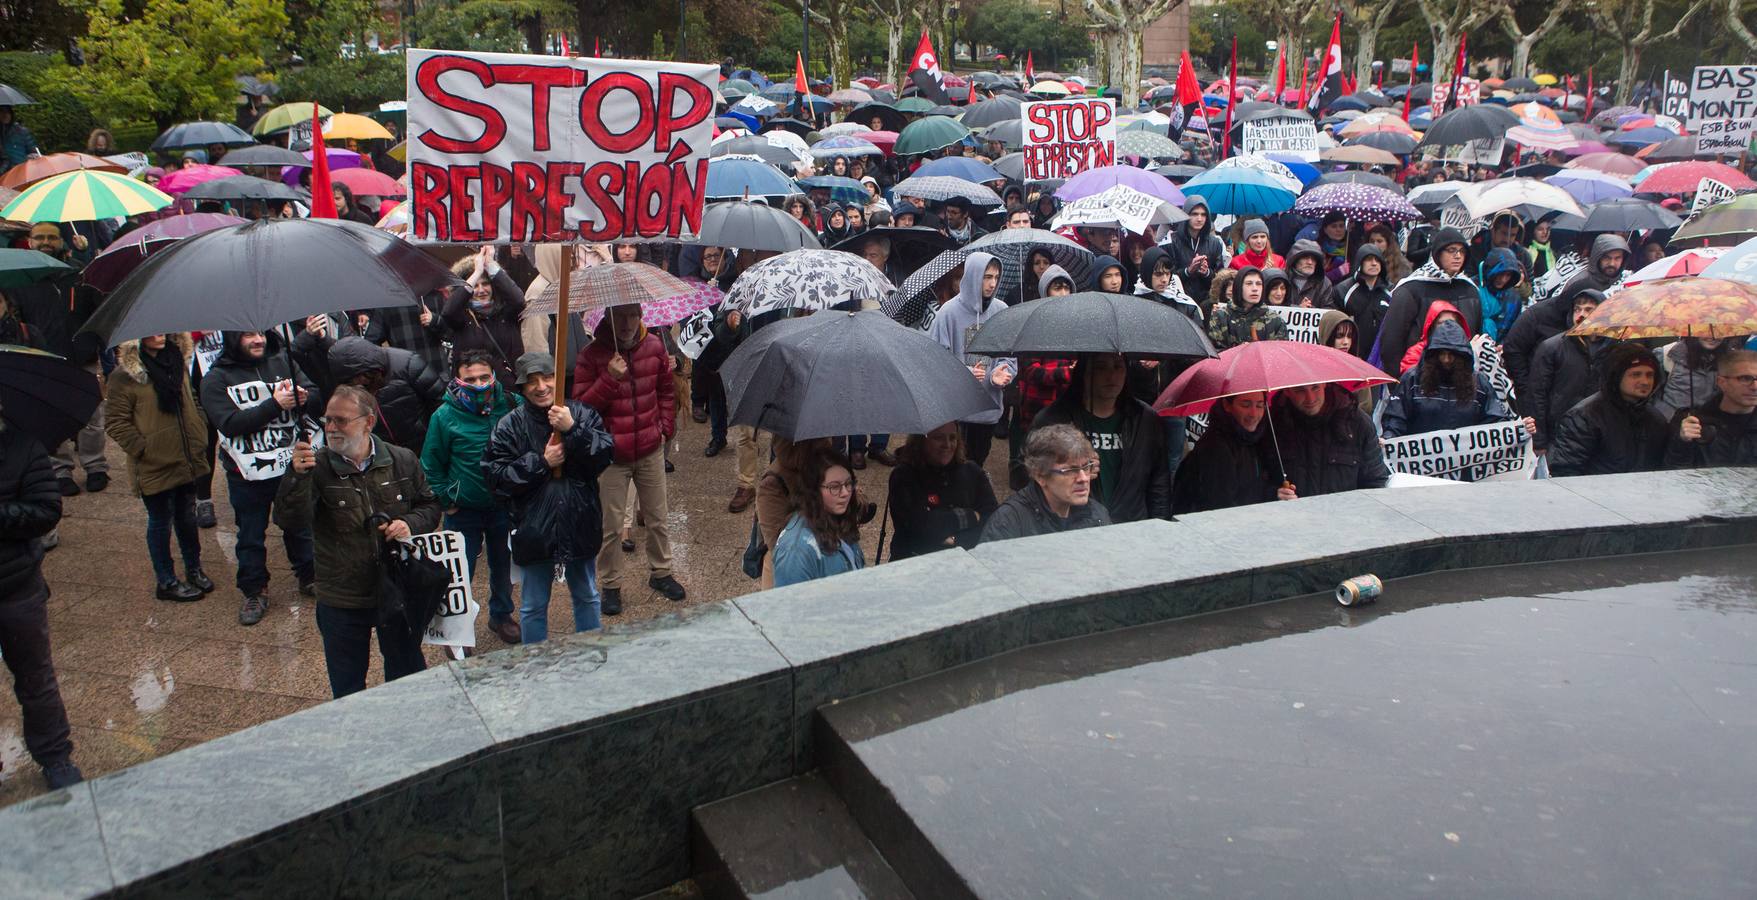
[(24, 641), (347, 648), (977, 441)]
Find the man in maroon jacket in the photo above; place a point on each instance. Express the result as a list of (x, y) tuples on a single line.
[(625, 374)]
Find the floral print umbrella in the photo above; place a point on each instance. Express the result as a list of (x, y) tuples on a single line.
[(1691, 306)]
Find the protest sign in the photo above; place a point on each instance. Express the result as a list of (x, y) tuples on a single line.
[(454, 624), (1490, 365), (1480, 152), (1723, 101), (512, 148), (1462, 454), (1302, 322), (694, 333), (1469, 91), (1454, 215), (1708, 193), (1676, 100), (1295, 136), (1729, 137), (266, 452), (1063, 138), (208, 349), (1119, 206)]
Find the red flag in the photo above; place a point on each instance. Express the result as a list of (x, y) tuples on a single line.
[(1188, 100), (565, 49), (924, 70), (595, 49), (1030, 70), (1231, 101), (1452, 99), (323, 196), (1414, 63), (800, 84), (1305, 66), (1280, 74), (1588, 115), (1330, 81)]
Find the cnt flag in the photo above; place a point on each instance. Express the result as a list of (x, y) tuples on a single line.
[(1189, 98), (1329, 86), (1030, 70), (924, 70)]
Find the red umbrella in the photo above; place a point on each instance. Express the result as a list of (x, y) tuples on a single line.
[(884, 140), (180, 180), (39, 168), (369, 183), (108, 268), (1263, 366), (1682, 178)]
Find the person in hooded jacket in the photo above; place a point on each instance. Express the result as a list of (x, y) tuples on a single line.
[(1195, 251), (406, 391), (1257, 254), (1326, 443), (1365, 296), (1159, 282), (1564, 372), (1109, 276), (1554, 315), (1617, 429), (1043, 379), (1134, 477), (957, 321), (835, 224), (1445, 391), (1441, 311), (483, 313), (1397, 266), (1306, 272), (1277, 288), (1497, 284), (1226, 468), (1244, 318), (1689, 367), (938, 499), (1440, 278)]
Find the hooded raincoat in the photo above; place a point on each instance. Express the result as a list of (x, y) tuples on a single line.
[(1186, 243), (1235, 323), (1314, 289), (959, 320), (1555, 314), (1606, 433), (1365, 299), (1410, 410), (1500, 306), (1411, 298)]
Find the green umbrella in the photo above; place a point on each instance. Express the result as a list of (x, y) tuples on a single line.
[(915, 104), (734, 88), (84, 195), (21, 267), (928, 134), (284, 117), (1722, 223)]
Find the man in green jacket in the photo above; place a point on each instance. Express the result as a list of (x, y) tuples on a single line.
[(457, 435), (337, 492)]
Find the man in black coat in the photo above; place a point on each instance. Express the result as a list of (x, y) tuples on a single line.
[(1723, 432), (405, 389), (1134, 479), (1327, 444), (1553, 316), (1616, 429), (1441, 278), (55, 310), (1059, 498), (1196, 252), (30, 506), (1564, 371)]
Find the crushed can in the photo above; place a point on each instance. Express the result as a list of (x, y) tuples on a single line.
[(1359, 590)]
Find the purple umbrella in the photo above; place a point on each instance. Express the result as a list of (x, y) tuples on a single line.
[(1590, 186), (108, 268), (1359, 202), (1099, 180), (338, 159)]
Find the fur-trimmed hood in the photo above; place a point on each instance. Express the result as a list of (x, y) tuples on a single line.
[(128, 355)]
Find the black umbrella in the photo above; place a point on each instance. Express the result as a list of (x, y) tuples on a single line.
[(1011, 165), (1181, 172), (1482, 121), (1389, 141), (1421, 93), (991, 111), (759, 147), (945, 110), (911, 248), (1092, 322), (196, 135), (1010, 134), (888, 115), (1014, 247), (1520, 84), (257, 276), (1369, 98), (1532, 170), (1675, 150), (1353, 176), (265, 155), (1626, 214), (242, 187), (754, 226), (882, 95), (865, 373), (794, 125), (11, 96), (46, 395)]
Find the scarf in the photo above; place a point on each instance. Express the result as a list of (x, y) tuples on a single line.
[(478, 399), (164, 370)]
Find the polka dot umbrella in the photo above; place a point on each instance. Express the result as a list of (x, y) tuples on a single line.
[(1359, 202)]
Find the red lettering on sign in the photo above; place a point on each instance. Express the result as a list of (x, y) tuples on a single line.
[(592, 102), (603, 182), (493, 124), (428, 215), (460, 177), (527, 202)]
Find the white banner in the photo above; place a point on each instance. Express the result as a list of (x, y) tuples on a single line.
[(694, 333), (1294, 136), (1676, 97), (1727, 137), (1469, 91), (1063, 138), (1723, 101), (1120, 206), (1480, 152), (1708, 193), (454, 624), (1464, 454), (1489, 365), (266, 453), (513, 148), (1302, 322)]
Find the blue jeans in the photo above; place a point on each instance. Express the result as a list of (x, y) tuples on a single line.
[(862, 443), (166, 510), (716, 407), (495, 526), (252, 502), (347, 648), (1176, 430), (539, 579)]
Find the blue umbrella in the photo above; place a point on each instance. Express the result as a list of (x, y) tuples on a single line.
[(844, 145), (960, 167), (734, 177), (1641, 137), (1238, 191), (749, 121), (842, 190), (1421, 117), (1304, 171), (780, 90), (753, 76)]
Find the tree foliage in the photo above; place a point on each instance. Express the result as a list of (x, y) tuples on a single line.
[(1016, 26), (60, 120)]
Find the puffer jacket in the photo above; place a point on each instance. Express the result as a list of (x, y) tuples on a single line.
[(640, 411), (1336, 450), (1606, 434), (1365, 303), (1185, 244), (1410, 411), (165, 450), (457, 440), (1316, 290), (1143, 488), (1233, 324), (1500, 308), (1226, 468), (1565, 371), (410, 393), (1026, 513), (337, 502), (557, 520), (30, 507), (1727, 439)]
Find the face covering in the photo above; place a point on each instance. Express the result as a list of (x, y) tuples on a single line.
[(476, 398)]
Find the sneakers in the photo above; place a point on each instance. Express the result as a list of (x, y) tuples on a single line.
[(883, 457), (178, 591), (308, 587), (504, 628), (62, 774), (668, 586), (204, 514), (254, 607), (52, 539), (611, 605), (198, 579), (741, 500), (628, 545), (69, 487), (715, 445), (97, 481)]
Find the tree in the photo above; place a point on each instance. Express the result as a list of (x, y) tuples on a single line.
[(1631, 23), (1128, 19), (1523, 41), (174, 60), (1288, 20), (1366, 19), (895, 15), (1447, 21), (1017, 26), (356, 81), (1735, 23)]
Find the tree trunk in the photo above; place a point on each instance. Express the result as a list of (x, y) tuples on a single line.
[(1131, 41), (1363, 57), (1626, 71), (1445, 54), (893, 49), (1522, 55)]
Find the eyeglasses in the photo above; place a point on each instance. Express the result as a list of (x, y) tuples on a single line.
[(839, 487), (1090, 469), (1743, 380), (1452, 250), (337, 421)]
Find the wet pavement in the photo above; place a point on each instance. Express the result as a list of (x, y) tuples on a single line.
[(143, 677), (1574, 729)]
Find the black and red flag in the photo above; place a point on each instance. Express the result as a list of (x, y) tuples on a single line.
[(1030, 71), (1188, 101), (1329, 86), (924, 70)]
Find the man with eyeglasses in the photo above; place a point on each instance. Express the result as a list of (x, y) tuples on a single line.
[(1441, 278), (1062, 466), (1723, 432)]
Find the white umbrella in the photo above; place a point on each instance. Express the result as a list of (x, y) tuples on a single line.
[(1122, 207), (843, 128), (1489, 197)]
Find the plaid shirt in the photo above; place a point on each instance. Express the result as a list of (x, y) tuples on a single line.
[(1040, 385)]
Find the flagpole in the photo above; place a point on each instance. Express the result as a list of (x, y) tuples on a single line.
[(1231, 101), (1414, 63)]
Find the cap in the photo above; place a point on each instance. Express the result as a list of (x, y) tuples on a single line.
[(532, 363)]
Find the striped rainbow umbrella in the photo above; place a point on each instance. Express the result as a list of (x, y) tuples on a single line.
[(83, 196)]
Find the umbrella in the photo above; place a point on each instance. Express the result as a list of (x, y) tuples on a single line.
[(258, 276), (853, 96), (913, 300), (757, 146), (11, 96), (1482, 121), (1091, 322), (1049, 89), (1013, 246), (107, 270), (843, 128), (756, 105), (946, 110), (807, 280), (1430, 197), (1641, 137), (1241, 191), (735, 177), (911, 248), (1608, 163), (39, 168), (1486, 198), (198, 135), (940, 188), (267, 155), (991, 111), (844, 145), (842, 189), (84, 196), (929, 134), (957, 167), (1262, 366), (1520, 84), (702, 295), (1010, 134), (1683, 177), (354, 127), (21, 267), (889, 116), (50, 397), (1398, 142), (1359, 202), (736, 87), (884, 140), (339, 158), (1147, 145), (1125, 208), (1628, 214), (914, 105), (1677, 265), (1589, 147), (183, 179), (242, 187), (1360, 155), (1373, 123), (368, 183), (1675, 150), (1279, 171), (622, 284), (1542, 135), (1733, 218), (1609, 117), (286, 116), (1736, 264), (849, 373), (1103, 178), (1590, 186), (1694, 306), (753, 226)]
